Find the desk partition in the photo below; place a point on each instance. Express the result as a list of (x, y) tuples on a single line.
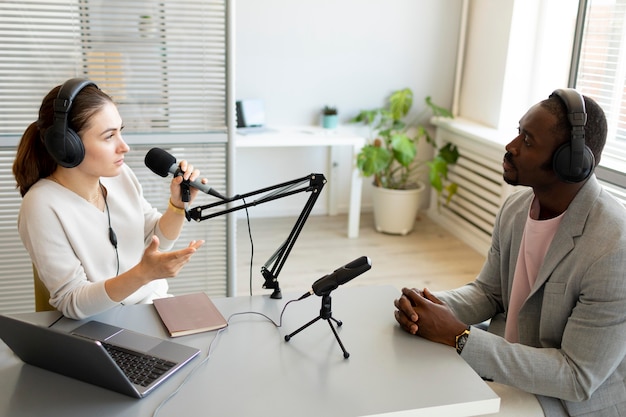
[(253, 371)]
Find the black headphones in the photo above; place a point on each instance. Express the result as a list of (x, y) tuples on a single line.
[(573, 161), (62, 143)]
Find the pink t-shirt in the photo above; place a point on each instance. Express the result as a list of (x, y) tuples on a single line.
[(538, 235)]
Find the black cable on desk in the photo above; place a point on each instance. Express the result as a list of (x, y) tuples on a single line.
[(188, 377), (56, 321), (280, 322)]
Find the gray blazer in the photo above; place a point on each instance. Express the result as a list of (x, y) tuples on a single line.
[(572, 327)]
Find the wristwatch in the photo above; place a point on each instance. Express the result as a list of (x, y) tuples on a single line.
[(461, 339)]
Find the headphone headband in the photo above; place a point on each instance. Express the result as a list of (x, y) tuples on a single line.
[(575, 103), (573, 161)]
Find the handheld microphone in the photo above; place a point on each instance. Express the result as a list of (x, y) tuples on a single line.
[(162, 163), (339, 276)]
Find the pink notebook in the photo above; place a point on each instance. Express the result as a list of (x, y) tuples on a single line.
[(189, 314)]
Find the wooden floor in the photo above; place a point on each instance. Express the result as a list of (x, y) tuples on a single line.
[(428, 257)]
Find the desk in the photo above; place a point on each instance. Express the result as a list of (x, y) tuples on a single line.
[(314, 136), (252, 371)]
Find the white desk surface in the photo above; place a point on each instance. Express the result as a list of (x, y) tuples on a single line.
[(252, 371), (300, 136)]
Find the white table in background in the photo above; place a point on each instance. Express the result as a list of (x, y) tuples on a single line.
[(314, 136)]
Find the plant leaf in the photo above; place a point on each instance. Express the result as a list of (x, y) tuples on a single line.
[(449, 153), (404, 149), (400, 103), (372, 159), (439, 167), (437, 110), (451, 189), (435, 179)]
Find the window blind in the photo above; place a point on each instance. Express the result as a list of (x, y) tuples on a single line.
[(16, 281), (163, 62), (600, 73)]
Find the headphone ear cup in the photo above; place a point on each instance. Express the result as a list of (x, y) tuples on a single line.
[(561, 163), (65, 147), (63, 144), (75, 150)]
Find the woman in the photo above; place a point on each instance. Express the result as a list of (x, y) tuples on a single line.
[(93, 238)]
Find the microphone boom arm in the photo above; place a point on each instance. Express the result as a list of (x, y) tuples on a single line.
[(313, 183)]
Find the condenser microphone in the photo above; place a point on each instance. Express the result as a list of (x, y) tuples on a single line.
[(162, 163), (339, 276)]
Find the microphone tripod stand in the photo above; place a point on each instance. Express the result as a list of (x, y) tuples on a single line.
[(325, 314)]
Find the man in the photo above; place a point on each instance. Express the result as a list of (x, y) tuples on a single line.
[(553, 285)]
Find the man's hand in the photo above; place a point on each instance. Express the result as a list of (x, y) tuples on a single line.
[(405, 315), (421, 313)]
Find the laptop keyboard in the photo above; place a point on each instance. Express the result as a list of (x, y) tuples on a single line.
[(139, 368)]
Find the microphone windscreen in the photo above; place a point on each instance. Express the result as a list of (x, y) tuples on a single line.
[(159, 161)]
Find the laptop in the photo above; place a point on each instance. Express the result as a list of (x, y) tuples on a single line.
[(92, 351), (251, 117)]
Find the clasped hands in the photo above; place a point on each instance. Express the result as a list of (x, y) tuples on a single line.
[(419, 312)]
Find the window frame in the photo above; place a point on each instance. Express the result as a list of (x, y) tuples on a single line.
[(610, 171)]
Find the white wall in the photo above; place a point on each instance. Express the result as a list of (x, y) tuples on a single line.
[(301, 55)]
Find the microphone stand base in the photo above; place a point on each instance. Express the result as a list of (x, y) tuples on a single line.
[(325, 314)]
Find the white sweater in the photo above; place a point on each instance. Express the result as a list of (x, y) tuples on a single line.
[(68, 241)]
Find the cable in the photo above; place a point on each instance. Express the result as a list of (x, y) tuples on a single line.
[(56, 321), (210, 351), (193, 371), (280, 322), (112, 236), (251, 245)]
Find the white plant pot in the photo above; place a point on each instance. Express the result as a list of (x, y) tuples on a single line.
[(395, 211)]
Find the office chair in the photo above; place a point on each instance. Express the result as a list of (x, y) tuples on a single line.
[(42, 295)]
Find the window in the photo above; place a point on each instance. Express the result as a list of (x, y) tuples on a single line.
[(600, 72)]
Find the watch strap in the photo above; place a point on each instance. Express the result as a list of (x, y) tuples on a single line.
[(461, 339)]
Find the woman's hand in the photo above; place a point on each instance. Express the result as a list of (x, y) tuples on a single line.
[(189, 174), (155, 264)]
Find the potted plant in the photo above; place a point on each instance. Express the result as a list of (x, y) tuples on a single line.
[(391, 158), (330, 118)]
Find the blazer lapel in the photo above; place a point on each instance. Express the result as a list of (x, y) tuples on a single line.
[(571, 226)]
